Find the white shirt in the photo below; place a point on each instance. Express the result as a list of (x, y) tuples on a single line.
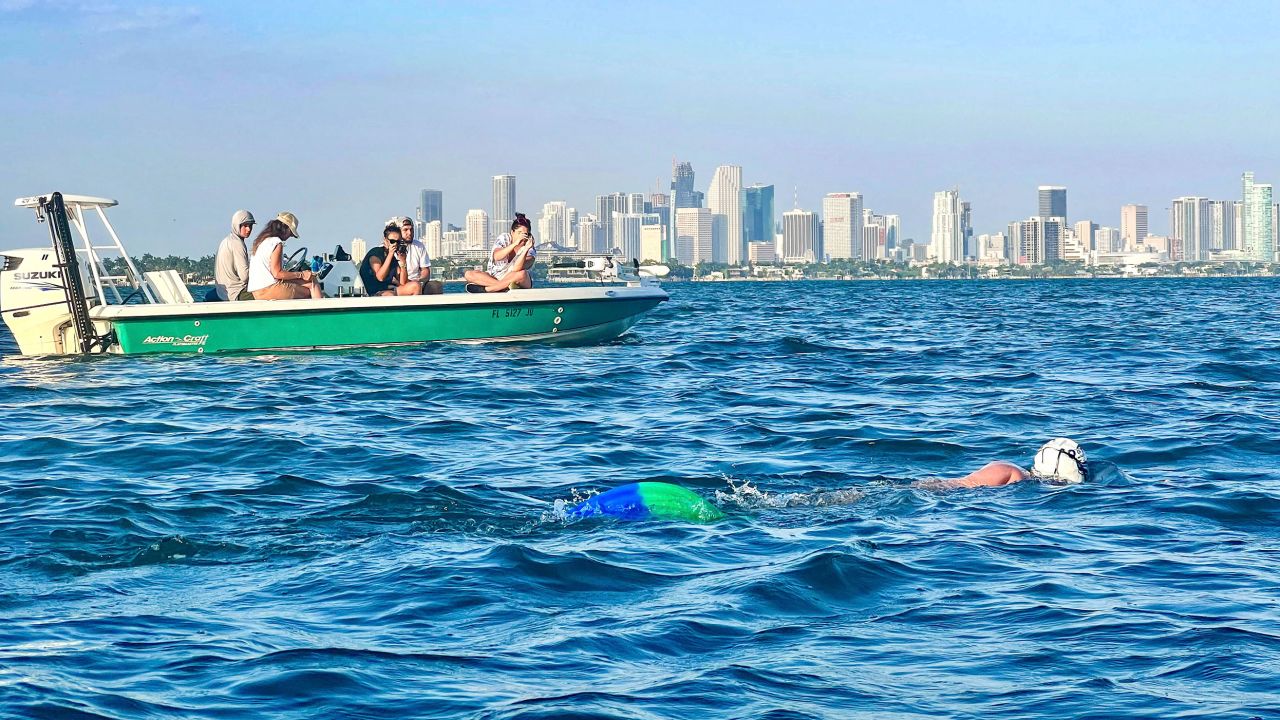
[(416, 260), (498, 269), (259, 268)]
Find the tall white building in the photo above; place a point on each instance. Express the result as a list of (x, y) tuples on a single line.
[(1190, 229), (504, 202), (1026, 242), (1257, 220), (626, 234), (724, 197), (1133, 226), (801, 239), (946, 244), (478, 229), (875, 244), (842, 225), (592, 236), (1107, 240), (1222, 224), (555, 225), (433, 238), (635, 203), (693, 235)]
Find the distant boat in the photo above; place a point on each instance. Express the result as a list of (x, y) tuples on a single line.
[(63, 300)]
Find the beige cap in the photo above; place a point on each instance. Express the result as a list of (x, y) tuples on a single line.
[(291, 220)]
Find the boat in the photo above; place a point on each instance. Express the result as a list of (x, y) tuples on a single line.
[(67, 299)]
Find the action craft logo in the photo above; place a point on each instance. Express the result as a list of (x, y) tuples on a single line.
[(175, 341)]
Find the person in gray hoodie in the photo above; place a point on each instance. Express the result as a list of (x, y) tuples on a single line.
[(231, 271)]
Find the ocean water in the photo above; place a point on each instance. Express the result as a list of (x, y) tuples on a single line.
[(374, 533)]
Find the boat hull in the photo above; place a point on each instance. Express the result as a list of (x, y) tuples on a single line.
[(578, 316)]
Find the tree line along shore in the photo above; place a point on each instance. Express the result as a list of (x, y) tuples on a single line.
[(199, 271)]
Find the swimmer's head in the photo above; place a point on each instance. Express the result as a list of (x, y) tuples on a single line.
[(1060, 461)]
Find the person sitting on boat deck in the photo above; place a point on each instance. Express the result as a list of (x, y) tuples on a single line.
[(268, 280), (1060, 462), (231, 269), (509, 263), (417, 260), (384, 270)]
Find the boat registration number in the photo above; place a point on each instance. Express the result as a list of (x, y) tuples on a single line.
[(513, 312)]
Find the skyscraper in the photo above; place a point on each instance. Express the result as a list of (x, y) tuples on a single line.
[(1190, 229), (693, 235), (591, 235), (724, 197), (1257, 215), (1133, 226), (504, 202), (1086, 234), (1053, 202), (681, 184), (892, 232), (842, 225), (606, 206), (1037, 241), (757, 214), (433, 238), (966, 231), (626, 237), (1108, 240), (554, 225), (477, 229), (635, 203), (681, 197), (946, 244), (431, 204), (660, 206), (1025, 242), (1222, 224), (801, 239)]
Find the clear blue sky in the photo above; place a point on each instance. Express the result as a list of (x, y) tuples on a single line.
[(341, 111)]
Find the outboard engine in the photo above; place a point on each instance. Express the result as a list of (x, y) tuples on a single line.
[(34, 304)]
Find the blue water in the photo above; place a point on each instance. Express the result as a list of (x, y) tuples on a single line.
[(374, 533)]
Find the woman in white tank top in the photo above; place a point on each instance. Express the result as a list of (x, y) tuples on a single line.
[(268, 280)]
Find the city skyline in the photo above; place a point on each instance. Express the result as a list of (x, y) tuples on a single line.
[(186, 114)]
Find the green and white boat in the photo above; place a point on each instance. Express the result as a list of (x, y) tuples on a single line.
[(64, 300)]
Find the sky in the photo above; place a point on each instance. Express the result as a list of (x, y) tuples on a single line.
[(340, 112)]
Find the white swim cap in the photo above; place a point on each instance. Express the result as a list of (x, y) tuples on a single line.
[(1060, 460)]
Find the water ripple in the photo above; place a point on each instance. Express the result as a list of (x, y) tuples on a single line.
[(374, 534)]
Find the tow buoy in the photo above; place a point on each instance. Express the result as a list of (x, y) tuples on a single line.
[(644, 500)]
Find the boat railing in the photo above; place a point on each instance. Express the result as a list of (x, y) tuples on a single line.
[(110, 285)]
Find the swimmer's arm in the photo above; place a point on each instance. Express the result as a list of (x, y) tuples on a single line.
[(996, 474)]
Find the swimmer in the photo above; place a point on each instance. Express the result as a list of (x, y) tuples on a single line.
[(1059, 461)]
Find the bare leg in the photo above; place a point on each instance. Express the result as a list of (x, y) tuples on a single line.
[(478, 277), (409, 288), (519, 278)]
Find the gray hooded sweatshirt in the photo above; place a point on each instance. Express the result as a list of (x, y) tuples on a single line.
[(231, 271)]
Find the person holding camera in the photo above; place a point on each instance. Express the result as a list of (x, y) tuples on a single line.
[(384, 270), (509, 263), (418, 260)]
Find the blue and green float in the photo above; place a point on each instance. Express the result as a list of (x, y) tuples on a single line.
[(647, 500)]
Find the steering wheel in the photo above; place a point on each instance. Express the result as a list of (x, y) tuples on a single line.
[(295, 260)]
